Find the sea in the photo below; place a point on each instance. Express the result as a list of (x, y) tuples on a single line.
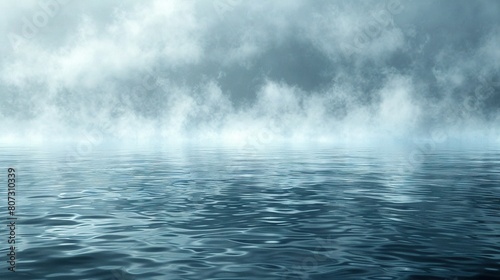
[(285, 212)]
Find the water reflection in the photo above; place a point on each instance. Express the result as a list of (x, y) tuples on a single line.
[(283, 214)]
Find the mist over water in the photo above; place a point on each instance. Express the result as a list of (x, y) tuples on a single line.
[(230, 139), (299, 71)]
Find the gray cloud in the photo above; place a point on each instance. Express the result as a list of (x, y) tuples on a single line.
[(299, 69)]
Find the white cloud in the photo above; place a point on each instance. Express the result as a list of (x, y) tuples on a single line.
[(164, 32), (84, 62)]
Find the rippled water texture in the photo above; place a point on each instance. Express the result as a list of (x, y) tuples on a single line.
[(288, 213)]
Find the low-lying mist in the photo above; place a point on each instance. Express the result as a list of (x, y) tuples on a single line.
[(240, 72)]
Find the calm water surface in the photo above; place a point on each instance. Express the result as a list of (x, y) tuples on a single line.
[(289, 213)]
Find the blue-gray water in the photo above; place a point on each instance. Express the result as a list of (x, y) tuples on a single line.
[(289, 213)]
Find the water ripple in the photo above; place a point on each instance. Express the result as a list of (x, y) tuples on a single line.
[(287, 214)]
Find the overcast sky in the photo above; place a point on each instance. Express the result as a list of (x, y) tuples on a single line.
[(294, 68)]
